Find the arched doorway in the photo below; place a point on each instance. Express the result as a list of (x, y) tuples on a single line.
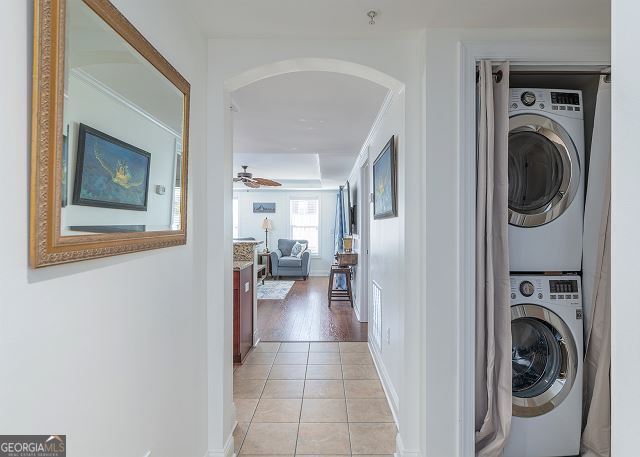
[(394, 87)]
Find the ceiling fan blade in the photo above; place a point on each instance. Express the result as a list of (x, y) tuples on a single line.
[(253, 185), (237, 179), (267, 182)]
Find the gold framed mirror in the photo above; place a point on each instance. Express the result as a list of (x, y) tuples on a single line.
[(110, 128)]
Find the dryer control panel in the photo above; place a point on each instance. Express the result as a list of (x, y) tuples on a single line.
[(562, 102), (551, 289)]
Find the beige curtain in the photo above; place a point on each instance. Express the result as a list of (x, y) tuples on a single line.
[(493, 313), (596, 436)]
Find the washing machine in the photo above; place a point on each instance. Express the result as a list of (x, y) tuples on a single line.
[(547, 345), (546, 180)]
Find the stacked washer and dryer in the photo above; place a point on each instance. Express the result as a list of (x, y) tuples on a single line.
[(546, 210)]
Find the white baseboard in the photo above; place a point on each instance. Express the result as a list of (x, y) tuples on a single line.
[(227, 451), (356, 310), (401, 451), (392, 396), (318, 273), (392, 399)]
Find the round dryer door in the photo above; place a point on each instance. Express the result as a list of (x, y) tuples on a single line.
[(544, 360), (544, 170)]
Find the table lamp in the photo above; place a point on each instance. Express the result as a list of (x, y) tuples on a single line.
[(347, 243), (266, 226)]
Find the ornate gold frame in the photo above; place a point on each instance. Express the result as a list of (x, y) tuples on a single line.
[(46, 245)]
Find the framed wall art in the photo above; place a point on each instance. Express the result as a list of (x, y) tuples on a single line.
[(385, 171), (109, 172), (264, 207)]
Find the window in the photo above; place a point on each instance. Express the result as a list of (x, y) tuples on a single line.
[(305, 221), (235, 218), (175, 213), (176, 220)]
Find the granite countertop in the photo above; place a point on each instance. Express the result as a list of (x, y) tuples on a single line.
[(241, 264), (245, 250)]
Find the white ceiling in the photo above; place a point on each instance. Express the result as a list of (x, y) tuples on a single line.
[(310, 18), (304, 129)]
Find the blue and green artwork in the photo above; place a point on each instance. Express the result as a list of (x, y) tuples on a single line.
[(384, 183), (110, 173)]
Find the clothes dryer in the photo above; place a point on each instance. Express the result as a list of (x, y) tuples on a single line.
[(546, 180)]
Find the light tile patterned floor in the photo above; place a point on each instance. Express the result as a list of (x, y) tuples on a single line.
[(311, 399)]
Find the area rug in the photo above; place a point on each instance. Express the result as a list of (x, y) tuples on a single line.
[(274, 290)]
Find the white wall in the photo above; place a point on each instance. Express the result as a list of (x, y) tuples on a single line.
[(400, 59), (386, 246), (91, 106), (625, 219), (249, 222), (110, 352), (359, 283), (443, 224)]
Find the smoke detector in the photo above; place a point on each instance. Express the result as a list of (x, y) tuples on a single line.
[(372, 15)]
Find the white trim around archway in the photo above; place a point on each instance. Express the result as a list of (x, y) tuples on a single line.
[(312, 64)]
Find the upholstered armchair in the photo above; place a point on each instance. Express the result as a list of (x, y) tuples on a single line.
[(284, 264)]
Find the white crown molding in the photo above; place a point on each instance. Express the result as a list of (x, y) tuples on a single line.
[(363, 155), (85, 77)]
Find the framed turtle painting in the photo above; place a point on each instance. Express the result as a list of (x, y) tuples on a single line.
[(384, 183), (109, 172), (110, 129)]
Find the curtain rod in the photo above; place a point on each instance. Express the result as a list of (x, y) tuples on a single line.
[(498, 74)]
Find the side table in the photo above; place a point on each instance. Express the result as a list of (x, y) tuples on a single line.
[(264, 258)]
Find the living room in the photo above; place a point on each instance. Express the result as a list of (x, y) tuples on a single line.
[(295, 152), (289, 214)]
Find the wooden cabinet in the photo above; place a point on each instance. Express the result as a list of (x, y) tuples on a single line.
[(242, 313)]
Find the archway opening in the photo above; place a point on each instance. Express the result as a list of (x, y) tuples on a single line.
[(332, 354)]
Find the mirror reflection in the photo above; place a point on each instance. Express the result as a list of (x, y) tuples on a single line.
[(122, 134)]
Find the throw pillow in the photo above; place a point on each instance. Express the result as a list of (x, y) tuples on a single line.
[(296, 250), (304, 248)]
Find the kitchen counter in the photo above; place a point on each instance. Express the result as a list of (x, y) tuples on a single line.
[(245, 249), (241, 264)]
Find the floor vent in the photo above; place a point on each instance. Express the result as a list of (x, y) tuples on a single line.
[(376, 314)]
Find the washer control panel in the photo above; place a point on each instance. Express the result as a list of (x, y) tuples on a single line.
[(552, 289), (562, 102)]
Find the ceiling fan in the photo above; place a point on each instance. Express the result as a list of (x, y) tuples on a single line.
[(248, 180)]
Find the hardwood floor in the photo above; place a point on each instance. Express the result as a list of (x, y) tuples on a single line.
[(304, 316)]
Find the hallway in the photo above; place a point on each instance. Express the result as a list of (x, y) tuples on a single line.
[(303, 315), (311, 399)]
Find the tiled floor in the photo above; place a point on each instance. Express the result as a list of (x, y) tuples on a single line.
[(311, 399)]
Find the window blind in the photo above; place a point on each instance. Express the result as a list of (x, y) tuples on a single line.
[(305, 221)]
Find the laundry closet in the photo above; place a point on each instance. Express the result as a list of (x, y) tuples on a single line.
[(555, 152)]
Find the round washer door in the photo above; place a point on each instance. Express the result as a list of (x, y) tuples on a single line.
[(544, 360), (544, 170)]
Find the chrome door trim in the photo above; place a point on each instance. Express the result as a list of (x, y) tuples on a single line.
[(558, 391), (555, 133)]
